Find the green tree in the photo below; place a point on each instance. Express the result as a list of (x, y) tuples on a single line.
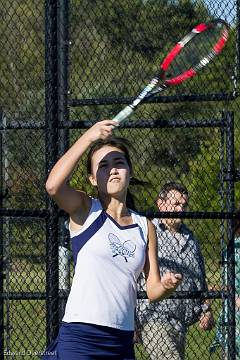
[(22, 58)]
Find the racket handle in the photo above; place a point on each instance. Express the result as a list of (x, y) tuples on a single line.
[(122, 115)]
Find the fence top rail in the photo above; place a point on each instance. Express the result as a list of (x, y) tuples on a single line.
[(141, 295), (45, 213), (155, 99), (154, 124), (144, 123), (22, 124)]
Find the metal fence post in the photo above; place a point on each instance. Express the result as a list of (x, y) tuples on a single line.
[(63, 116), (229, 121), (1, 248), (51, 121)]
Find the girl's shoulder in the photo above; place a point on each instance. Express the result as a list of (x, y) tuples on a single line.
[(94, 211), (141, 220)]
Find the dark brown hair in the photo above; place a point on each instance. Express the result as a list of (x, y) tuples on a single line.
[(121, 144), (117, 142), (172, 186)]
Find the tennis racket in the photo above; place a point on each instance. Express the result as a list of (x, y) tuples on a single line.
[(188, 56)]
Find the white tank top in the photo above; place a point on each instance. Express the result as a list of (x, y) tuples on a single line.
[(108, 260)]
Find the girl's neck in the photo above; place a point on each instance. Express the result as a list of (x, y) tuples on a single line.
[(118, 211), (115, 207)]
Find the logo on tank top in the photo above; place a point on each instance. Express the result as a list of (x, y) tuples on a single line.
[(125, 249)]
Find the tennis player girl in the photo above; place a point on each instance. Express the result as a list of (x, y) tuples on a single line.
[(111, 246)]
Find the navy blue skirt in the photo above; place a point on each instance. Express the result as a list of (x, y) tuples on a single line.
[(89, 342)]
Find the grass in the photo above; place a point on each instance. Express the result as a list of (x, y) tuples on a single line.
[(24, 323), (24, 320), (198, 344)]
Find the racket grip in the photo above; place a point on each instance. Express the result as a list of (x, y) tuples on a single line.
[(122, 115)]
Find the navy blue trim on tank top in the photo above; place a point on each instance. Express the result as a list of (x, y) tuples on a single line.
[(80, 240), (121, 227)]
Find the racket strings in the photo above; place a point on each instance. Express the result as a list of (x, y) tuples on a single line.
[(200, 47)]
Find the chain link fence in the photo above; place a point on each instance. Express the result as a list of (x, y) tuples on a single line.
[(67, 64)]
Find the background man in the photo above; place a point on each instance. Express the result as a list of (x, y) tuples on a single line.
[(164, 325)]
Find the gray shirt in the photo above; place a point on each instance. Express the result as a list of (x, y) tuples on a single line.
[(180, 253)]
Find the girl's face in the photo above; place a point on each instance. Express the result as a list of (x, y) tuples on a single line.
[(110, 171)]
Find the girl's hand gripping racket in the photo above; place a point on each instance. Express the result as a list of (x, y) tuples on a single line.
[(188, 56)]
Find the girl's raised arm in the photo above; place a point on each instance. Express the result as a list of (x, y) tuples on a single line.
[(57, 185)]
